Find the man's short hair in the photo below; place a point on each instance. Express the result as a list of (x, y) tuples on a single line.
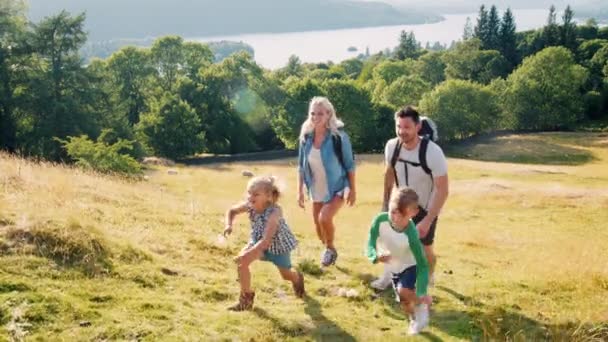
[(408, 112)]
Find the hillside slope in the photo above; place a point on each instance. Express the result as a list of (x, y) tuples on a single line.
[(522, 252)]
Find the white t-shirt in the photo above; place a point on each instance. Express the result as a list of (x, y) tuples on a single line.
[(319, 179), (414, 176)]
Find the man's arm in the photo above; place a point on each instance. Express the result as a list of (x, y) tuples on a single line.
[(437, 202), (441, 195), (389, 181)]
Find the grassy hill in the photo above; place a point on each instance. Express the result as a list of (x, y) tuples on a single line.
[(522, 252)]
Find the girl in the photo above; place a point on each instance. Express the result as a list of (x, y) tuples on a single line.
[(327, 167), (271, 240), (397, 233)]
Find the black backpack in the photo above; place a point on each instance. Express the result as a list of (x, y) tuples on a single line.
[(428, 128), (424, 144), (428, 132), (337, 140)]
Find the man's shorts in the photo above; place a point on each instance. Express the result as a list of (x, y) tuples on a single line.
[(280, 260), (406, 279), (430, 237)]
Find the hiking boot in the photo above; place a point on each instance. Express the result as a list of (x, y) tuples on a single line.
[(245, 302), (298, 286)]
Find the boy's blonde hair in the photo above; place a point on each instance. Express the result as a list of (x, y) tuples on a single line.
[(267, 184), (404, 198)]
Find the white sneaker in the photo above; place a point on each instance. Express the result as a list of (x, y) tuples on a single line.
[(422, 316), (413, 327), (381, 283)]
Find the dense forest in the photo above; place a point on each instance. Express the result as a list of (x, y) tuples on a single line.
[(175, 100)]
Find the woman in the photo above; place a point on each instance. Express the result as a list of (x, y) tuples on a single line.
[(326, 165)]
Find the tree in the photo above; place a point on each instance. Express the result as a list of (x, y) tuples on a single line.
[(468, 30), (551, 30), (293, 67), (481, 31), (507, 38), (431, 68), (167, 56), (171, 128), (568, 29), (130, 69), (408, 46), (390, 70), (195, 56), (213, 96), (468, 62), (12, 29), (461, 109), (353, 105), (290, 117), (538, 97), (492, 41), (405, 90), (57, 89)]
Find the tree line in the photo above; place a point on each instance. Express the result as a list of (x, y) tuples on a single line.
[(175, 100)]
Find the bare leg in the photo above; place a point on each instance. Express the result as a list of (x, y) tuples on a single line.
[(408, 300), (288, 274), (326, 220), (316, 209)]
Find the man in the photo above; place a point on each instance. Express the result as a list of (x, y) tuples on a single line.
[(404, 167)]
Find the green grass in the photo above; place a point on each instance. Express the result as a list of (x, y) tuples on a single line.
[(522, 252)]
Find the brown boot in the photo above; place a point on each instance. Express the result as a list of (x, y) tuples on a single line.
[(298, 286), (245, 302)]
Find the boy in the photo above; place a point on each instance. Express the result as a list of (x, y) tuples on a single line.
[(397, 233)]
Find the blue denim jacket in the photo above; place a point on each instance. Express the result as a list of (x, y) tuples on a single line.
[(336, 175)]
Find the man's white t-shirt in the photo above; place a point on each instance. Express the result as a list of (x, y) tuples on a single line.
[(414, 176)]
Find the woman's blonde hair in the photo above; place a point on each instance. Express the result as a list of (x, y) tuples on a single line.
[(333, 123), (404, 198), (267, 184)]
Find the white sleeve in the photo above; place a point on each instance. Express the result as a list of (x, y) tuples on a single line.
[(389, 148), (436, 161)]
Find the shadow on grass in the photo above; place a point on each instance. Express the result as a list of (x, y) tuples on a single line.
[(546, 149), (485, 322), (324, 329)]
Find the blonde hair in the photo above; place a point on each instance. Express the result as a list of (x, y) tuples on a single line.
[(333, 123), (267, 184), (404, 198)]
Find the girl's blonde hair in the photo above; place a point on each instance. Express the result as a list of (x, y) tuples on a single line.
[(404, 198), (267, 184), (333, 124)]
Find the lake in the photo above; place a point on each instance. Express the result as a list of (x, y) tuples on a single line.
[(272, 50)]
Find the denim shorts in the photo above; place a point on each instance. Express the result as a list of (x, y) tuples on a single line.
[(406, 279), (280, 260)]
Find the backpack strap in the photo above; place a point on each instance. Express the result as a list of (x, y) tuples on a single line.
[(394, 159), (424, 144), (337, 140)]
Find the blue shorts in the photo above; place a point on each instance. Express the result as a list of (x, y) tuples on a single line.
[(406, 279), (280, 260)]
